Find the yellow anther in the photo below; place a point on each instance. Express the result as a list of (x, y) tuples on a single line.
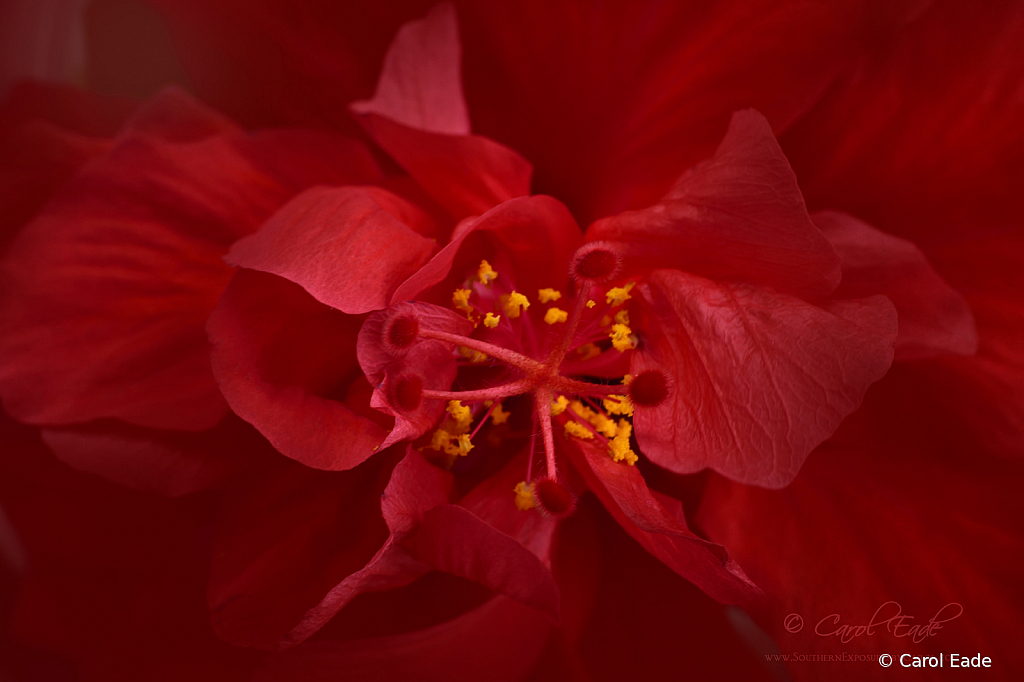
[(622, 317), (591, 304), (619, 295), (579, 430), (492, 320), (588, 351), (462, 416), (619, 449), (582, 410), (622, 337), (461, 300), (558, 405), (555, 315), (499, 416), (548, 295), (472, 355), (440, 439), (606, 320), (459, 446), (515, 304), (605, 426), (627, 380), (524, 496), (618, 404), (485, 274)]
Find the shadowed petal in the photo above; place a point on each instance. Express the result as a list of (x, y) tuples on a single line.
[(612, 101), (924, 139), (933, 318), (285, 540), (169, 463), (415, 488)]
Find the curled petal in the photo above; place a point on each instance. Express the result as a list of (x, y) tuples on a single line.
[(344, 245), (420, 85), (933, 318)]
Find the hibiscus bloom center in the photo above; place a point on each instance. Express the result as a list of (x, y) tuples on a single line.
[(567, 350)]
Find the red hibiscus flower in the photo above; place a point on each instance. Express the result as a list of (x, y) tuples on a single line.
[(473, 395)]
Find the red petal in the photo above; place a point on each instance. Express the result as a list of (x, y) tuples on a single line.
[(108, 290), (166, 462), (536, 236), (344, 245), (632, 592), (756, 379), (662, 532), (109, 300), (420, 85), (933, 318), (738, 215), (924, 140), (287, 365), (902, 506)]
